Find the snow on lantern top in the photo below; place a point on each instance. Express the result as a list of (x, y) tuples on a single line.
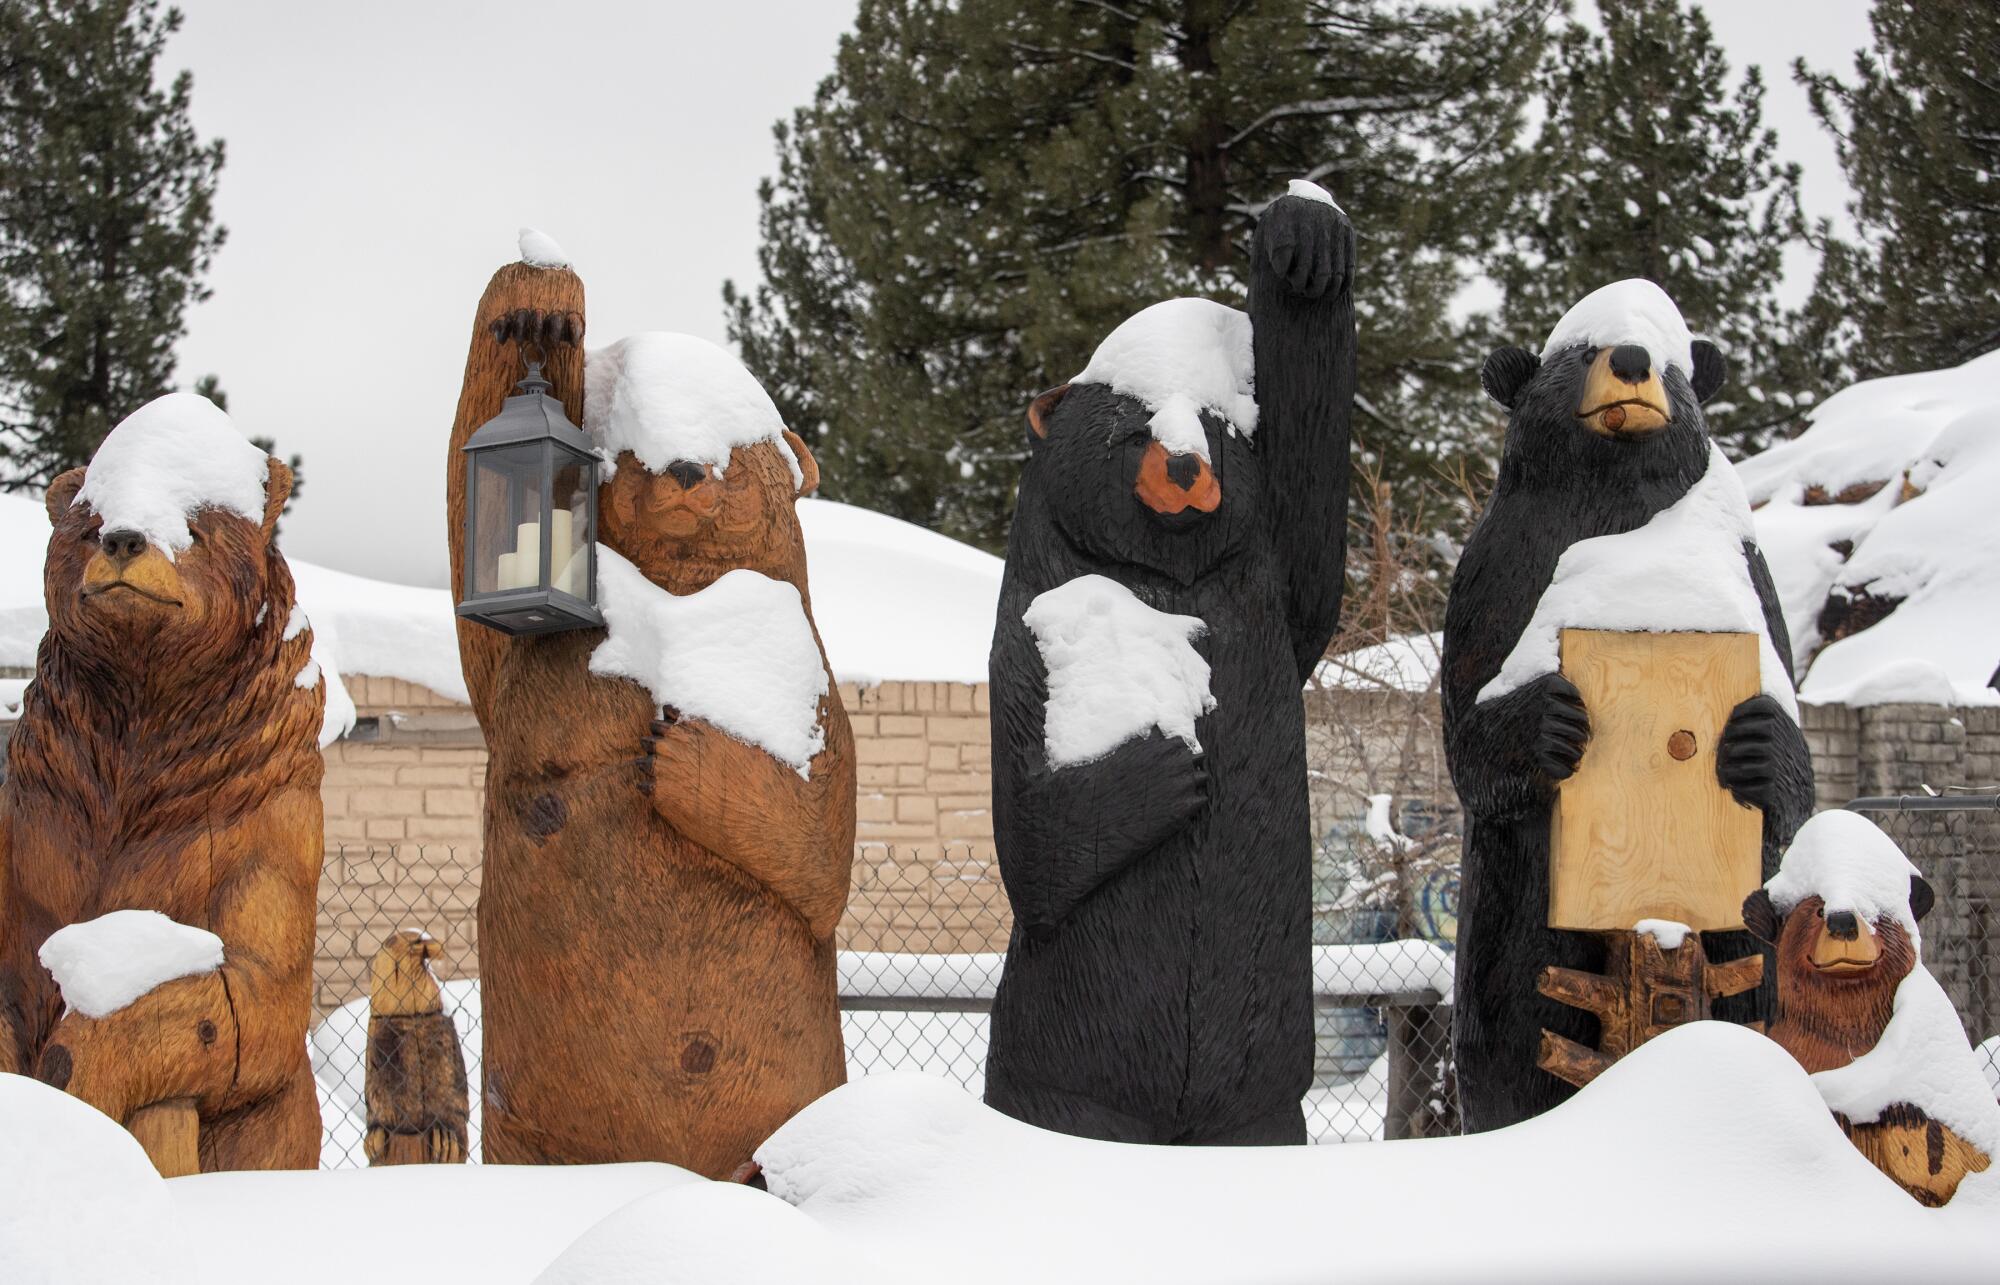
[(668, 398), (539, 250), (1633, 311), (167, 461), (1179, 358), (1845, 859)]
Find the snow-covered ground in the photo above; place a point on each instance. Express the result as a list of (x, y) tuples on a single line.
[(907, 1178), (892, 602)]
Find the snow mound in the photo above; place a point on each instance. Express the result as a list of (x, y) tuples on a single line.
[(1670, 933), (539, 250), (1845, 858), (889, 1164), (1405, 663), (1179, 358), (1988, 1054), (79, 1201), (167, 461), (1690, 559), (667, 397), (1117, 669), (893, 601), (1924, 1060), (106, 963), (739, 654), (1887, 493), (1633, 311), (699, 1234), (1310, 191)]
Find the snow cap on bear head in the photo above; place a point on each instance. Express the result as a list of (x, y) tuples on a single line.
[(1179, 358), (1844, 859), (675, 399), (1633, 311)]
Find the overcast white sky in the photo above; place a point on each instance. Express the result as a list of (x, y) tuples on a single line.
[(381, 156)]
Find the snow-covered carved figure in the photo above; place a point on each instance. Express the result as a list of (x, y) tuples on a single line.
[(414, 1087), (670, 800), (1173, 575), (1862, 1014), (1612, 510), (167, 760)]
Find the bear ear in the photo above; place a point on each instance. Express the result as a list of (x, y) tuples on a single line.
[(1710, 370), (277, 489), (1039, 411), (1506, 372), (1761, 917), (808, 466), (1922, 897), (62, 493)]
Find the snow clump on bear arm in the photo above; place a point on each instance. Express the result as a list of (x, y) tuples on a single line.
[(1634, 311), (166, 462), (668, 398), (1179, 358), (1924, 1060), (1844, 858), (739, 654), (106, 963), (539, 250), (1117, 669)]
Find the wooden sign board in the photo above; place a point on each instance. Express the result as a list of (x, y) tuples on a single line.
[(1644, 830)]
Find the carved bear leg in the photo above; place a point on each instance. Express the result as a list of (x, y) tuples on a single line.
[(278, 1132)]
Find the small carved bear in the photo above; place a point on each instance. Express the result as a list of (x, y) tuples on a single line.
[(415, 1086), (167, 759), (1605, 431), (1158, 983)]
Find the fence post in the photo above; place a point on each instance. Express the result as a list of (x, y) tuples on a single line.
[(1415, 1034)]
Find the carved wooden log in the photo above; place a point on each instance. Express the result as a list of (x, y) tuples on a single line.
[(1919, 1154), (1646, 989), (171, 1134)]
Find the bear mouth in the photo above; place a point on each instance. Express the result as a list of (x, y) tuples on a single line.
[(99, 590), (1629, 419)]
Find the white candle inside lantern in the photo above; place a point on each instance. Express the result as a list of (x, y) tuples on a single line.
[(505, 575)]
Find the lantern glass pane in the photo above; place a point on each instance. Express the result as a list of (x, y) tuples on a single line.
[(506, 507), (570, 534)]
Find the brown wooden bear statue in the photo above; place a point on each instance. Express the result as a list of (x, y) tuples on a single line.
[(415, 1081), (167, 760), (670, 800), (1861, 1013)]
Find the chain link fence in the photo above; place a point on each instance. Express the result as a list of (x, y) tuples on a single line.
[(921, 951)]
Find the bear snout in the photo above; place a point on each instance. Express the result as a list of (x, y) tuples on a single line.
[(1841, 925), (123, 545), (1631, 363), (687, 473)]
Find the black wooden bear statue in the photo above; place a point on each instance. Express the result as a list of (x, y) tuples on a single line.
[(1612, 510), (1173, 575)]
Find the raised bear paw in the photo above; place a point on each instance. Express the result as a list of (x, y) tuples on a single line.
[(1752, 751), (1309, 243), (1563, 729), (533, 326)]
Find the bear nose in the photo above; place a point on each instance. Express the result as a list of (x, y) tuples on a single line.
[(687, 473), (1841, 925), (123, 545), (1183, 469), (1631, 363)]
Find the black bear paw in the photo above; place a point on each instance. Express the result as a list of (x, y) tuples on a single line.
[(1748, 756), (1564, 729), (1171, 775), (533, 326), (1309, 243)]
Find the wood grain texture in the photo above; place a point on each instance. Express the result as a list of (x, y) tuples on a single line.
[(1645, 829), (1921, 1155), (166, 759), (171, 1134), (415, 1087), (658, 904), (1644, 991)]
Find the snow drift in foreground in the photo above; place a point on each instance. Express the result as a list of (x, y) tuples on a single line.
[(105, 963), (1888, 496)]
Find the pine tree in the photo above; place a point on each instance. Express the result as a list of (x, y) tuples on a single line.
[(982, 190), (106, 224), (1918, 134), (1649, 165)]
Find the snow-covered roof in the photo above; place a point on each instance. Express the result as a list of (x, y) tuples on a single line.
[(1179, 358), (1934, 544), (166, 461), (1402, 663), (668, 397), (893, 602), (1633, 311)]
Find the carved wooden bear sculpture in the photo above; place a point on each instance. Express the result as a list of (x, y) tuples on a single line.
[(657, 912), (1178, 536), (1605, 435), (415, 1087), (1863, 1015), (167, 759)]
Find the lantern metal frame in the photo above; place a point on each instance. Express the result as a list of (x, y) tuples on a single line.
[(530, 415)]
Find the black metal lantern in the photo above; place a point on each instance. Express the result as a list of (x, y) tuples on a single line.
[(530, 518)]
